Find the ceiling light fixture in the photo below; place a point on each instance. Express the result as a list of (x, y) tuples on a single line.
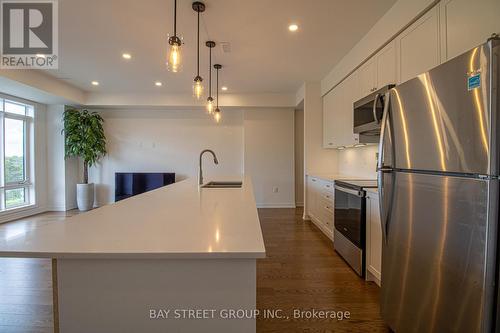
[(198, 7), (94, 83), (223, 88), (210, 101), (293, 27), (127, 56), (217, 114), (174, 61), (158, 84)]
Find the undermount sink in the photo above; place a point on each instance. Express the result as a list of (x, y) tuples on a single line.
[(221, 184)]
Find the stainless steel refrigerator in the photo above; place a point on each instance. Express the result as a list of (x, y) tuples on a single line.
[(439, 194)]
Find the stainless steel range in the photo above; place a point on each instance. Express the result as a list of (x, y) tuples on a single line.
[(350, 221)]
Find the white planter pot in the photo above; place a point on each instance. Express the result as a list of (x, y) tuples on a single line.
[(85, 196)]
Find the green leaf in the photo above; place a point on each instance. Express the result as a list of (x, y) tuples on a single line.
[(84, 135)]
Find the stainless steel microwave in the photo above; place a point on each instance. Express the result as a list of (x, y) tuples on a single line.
[(368, 113)]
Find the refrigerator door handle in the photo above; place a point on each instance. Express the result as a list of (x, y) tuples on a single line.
[(383, 129), (382, 170), (375, 108)]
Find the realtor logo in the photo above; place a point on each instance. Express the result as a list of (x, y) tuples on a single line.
[(29, 34)]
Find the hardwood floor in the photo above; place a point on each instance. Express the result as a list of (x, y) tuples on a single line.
[(26, 284), (301, 271)]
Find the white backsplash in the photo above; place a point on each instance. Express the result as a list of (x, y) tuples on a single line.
[(359, 162)]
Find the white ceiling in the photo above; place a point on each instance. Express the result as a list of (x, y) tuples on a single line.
[(265, 56)]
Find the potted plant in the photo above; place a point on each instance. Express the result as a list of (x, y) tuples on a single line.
[(84, 138)]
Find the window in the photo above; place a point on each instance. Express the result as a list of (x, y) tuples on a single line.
[(16, 180)]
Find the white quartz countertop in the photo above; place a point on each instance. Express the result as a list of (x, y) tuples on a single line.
[(176, 221)]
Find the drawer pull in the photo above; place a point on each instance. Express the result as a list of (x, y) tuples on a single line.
[(313, 179), (345, 229)]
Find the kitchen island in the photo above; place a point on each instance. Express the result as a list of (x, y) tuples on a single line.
[(154, 262)]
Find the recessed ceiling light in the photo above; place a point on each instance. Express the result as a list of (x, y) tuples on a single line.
[(224, 88), (127, 56), (158, 84), (95, 83), (293, 27)]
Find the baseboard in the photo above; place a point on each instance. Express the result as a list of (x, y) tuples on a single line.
[(56, 209), (70, 207), (370, 276), (21, 214), (275, 205), (299, 204)]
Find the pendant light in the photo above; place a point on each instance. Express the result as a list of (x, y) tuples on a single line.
[(210, 101), (217, 114), (174, 60), (198, 7)]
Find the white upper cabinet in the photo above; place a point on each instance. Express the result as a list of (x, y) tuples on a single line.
[(367, 78), (419, 46), (331, 106), (480, 19), (386, 66), (378, 71), (338, 115), (448, 29)]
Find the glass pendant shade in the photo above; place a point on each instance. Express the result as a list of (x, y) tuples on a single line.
[(217, 115), (210, 105), (198, 88), (174, 58)]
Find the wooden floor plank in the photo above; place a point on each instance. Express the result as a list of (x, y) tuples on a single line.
[(302, 271)]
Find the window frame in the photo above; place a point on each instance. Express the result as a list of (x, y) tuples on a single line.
[(27, 184)]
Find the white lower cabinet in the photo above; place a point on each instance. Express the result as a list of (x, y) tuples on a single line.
[(373, 239), (319, 204)]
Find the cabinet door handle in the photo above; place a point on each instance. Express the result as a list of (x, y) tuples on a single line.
[(313, 179)]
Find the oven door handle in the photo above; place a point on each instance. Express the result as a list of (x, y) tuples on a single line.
[(348, 190)]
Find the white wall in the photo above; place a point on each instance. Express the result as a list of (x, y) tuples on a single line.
[(358, 162), (62, 174), (56, 193), (269, 155), (167, 141), (299, 157)]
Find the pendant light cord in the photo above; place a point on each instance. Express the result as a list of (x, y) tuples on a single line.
[(217, 91), (175, 18), (198, 44), (210, 74)]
